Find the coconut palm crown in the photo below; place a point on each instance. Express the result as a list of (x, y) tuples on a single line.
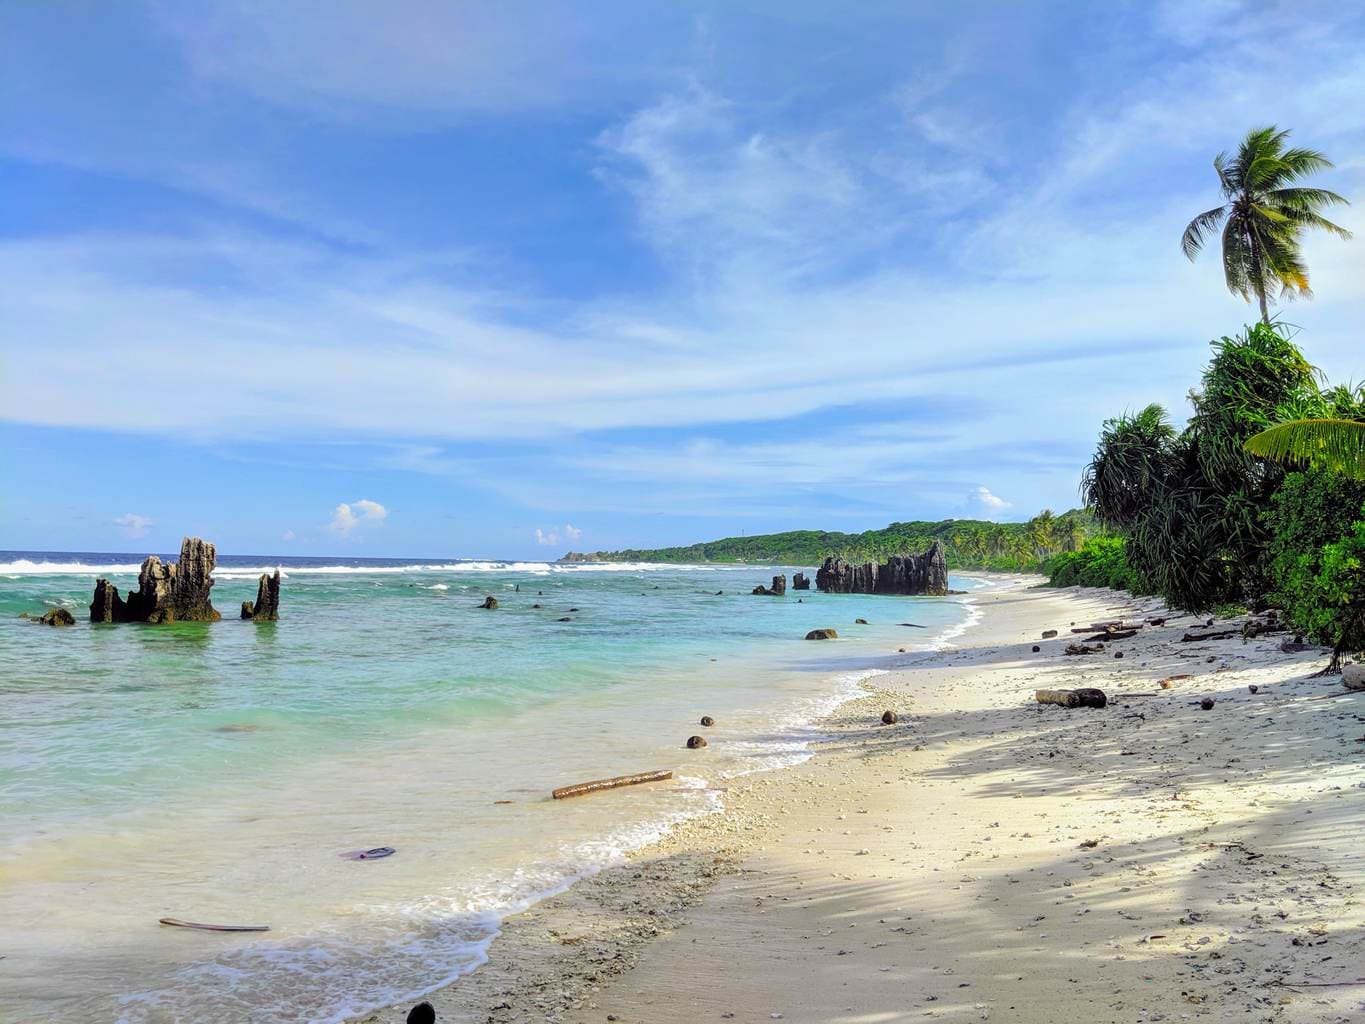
[(1265, 216)]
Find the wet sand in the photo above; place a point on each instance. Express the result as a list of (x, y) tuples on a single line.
[(992, 858)]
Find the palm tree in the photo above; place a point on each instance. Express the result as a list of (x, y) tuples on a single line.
[(1336, 444), (1264, 216)]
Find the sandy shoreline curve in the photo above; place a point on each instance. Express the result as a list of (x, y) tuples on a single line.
[(992, 858)]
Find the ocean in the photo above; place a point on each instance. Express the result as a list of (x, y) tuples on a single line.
[(218, 771)]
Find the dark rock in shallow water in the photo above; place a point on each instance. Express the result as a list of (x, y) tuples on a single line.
[(696, 742), (778, 589), (822, 634), (489, 602), (248, 609), (900, 574), (800, 582), (178, 592), (889, 718), (107, 606), (860, 622), (707, 720), (57, 617), (267, 606)]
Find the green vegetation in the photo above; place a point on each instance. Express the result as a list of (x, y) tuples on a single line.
[(1334, 444), (1265, 215), (1198, 517), (1100, 562), (968, 544)]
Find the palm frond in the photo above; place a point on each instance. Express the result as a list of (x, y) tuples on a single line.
[(1299, 163), (1200, 229), (1334, 444), (1304, 198), (1237, 257)]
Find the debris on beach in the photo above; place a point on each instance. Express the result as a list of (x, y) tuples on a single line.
[(175, 922), (1084, 697), (1083, 649), (373, 853), (889, 718), (598, 785)]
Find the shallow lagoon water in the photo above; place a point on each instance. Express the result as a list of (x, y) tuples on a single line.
[(215, 772)]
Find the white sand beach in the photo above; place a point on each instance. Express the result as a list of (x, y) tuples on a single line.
[(991, 858)]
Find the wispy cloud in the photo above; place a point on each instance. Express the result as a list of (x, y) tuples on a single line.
[(350, 517), (133, 525)]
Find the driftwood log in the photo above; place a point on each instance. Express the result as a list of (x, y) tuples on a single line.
[(1221, 634), (1083, 649), (598, 785), (1085, 697), (1100, 638), (175, 922)]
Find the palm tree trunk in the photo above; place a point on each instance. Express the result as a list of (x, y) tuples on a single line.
[(1257, 279)]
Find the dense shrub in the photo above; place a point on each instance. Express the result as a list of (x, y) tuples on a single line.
[(1100, 562), (1312, 520)]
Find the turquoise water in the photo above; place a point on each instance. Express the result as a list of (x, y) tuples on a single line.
[(216, 771)]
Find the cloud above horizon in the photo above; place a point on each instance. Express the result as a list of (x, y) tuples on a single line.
[(656, 287), (350, 517), (133, 525)]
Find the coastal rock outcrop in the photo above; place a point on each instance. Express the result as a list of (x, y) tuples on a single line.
[(899, 574), (823, 634), (778, 589), (267, 605), (57, 617), (800, 581), (174, 592)]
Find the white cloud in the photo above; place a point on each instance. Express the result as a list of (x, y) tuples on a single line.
[(552, 536), (287, 535), (133, 525), (983, 499), (350, 516)]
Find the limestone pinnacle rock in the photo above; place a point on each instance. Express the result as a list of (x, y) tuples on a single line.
[(899, 574)]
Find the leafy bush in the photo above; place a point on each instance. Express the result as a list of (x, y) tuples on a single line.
[(1339, 617), (1312, 519), (1100, 562)]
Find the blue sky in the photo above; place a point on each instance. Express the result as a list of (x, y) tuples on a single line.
[(423, 278)]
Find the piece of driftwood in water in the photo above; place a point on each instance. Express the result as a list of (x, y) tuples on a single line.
[(598, 785), (175, 922), (1085, 697)]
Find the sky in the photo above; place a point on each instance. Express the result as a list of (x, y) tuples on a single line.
[(424, 278)]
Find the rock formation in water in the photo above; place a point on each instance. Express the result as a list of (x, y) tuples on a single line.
[(778, 589), (175, 592), (267, 605), (57, 617), (800, 581), (900, 574)]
